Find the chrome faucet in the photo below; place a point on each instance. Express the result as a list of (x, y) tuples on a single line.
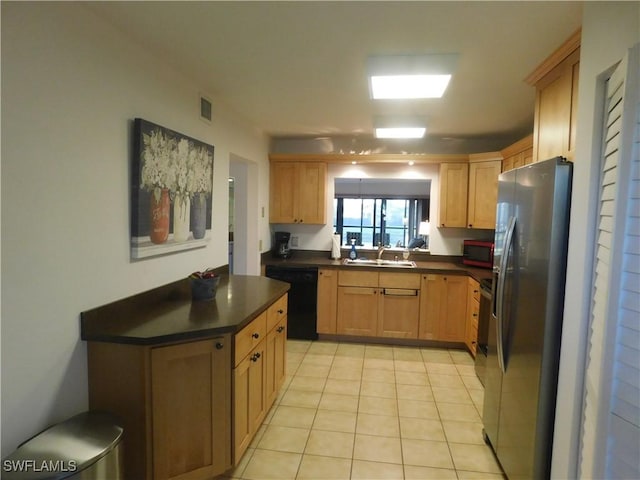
[(380, 250)]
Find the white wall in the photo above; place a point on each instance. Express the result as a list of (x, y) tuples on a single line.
[(442, 241), (71, 86), (608, 30)]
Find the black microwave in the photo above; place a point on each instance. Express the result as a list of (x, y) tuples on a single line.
[(478, 253)]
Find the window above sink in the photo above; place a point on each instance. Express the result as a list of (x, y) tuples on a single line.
[(374, 211)]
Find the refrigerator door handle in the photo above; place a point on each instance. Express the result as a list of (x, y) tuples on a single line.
[(504, 262)]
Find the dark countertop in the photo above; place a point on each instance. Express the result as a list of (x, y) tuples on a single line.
[(167, 314), (424, 263)]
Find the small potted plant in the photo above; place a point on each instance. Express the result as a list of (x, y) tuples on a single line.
[(204, 284)]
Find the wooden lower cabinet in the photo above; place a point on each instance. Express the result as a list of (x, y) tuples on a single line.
[(432, 291), (399, 305), (174, 402), (443, 307), (378, 304), (190, 398), (327, 300), (357, 311), (259, 373), (249, 399), (473, 312), (275, 360), (189, 410)]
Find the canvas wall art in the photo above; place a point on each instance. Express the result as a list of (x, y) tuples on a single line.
[(171, 191)]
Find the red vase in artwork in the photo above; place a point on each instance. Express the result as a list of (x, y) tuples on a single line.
[(159, 209)]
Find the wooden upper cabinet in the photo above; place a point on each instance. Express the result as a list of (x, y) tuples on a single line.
[(556, 83), (518, 154), (453, 194), (298, 192), (483, 194)]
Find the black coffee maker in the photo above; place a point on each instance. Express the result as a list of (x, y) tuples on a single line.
[(281, 245)]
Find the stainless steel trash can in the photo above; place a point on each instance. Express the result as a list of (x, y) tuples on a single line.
[(85, 447)]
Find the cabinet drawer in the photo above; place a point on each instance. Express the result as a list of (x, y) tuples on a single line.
[(247, 338), (352, 278), (277, 312), (399, 280)]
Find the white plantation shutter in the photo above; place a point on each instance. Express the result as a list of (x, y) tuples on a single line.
[(611, 425)]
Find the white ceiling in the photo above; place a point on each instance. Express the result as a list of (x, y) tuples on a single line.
[(298, 69)]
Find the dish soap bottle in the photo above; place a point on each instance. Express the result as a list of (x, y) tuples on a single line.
[(353, 254)]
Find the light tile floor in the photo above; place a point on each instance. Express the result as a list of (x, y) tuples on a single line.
[(351, 411)]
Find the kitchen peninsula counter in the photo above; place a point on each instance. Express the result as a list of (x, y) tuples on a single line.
[(167, 314)]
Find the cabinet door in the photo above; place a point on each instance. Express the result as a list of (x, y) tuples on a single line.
[(357, 311), (453, 194), (298, 192), (399, 311), (283, 192), (312, 179), (431, 294), (327, 300), (191, 409), (518, 160), (452, 326), (556, 105), (507, 164), (275, 361), (483, 194), (528, 156), (249, 399)]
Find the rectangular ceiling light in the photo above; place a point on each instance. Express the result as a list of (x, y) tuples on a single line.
[(400, 132), (410, 76), (409, 86)]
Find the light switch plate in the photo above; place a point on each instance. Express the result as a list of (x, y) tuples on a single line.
[(294, 241)]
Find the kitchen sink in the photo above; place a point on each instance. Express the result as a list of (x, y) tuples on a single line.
[(366, 262)]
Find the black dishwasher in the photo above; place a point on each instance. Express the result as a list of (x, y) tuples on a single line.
[(303, 295)]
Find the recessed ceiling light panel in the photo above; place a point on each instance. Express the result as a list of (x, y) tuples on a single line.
[(410, 76), (400, 132), (409, 86)]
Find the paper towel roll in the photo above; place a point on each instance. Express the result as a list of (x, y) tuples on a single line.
[(335, 246)]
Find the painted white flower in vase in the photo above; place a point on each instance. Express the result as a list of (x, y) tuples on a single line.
[(181, 199)]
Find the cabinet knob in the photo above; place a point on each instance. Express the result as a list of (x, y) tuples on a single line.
[(442, 224), (256, 335), (280, 311), (255, 357), (470, 225), (475, 314), (280, 329), (219, 346)]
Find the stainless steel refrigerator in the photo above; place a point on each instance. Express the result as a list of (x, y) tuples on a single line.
[(531, 237)]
